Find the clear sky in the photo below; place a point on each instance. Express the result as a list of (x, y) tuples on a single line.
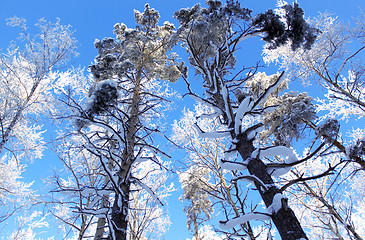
[(95, 19)]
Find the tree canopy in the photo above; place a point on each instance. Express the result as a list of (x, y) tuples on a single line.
[(256, 157)]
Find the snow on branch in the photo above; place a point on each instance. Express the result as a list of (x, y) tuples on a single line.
[(229, 153), (278, 171), (156, 151), (149, 157), (279, 201), (88, 190), (252, 133), (279, 150), (255, 153), (232, 166), (226, 100), (99, 213), (251, 178), (218, 134), (142, 159), (210, 115), (144, 155), (245, 106), (226, 225), (330, 170), (116, 135), (276, 151), (147, 189), (111, 175)]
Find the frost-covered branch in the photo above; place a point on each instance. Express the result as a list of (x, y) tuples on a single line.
[(28, 78)]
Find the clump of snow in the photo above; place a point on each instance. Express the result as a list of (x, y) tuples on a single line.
[(255, 153), (149, 191), (104, 97), (229, 153), (243, 219), (276, 203), (232, 166), (251, 178), (279, 151), (278, 171), (252, 134), (244, 107)]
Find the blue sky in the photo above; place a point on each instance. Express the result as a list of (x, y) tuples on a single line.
[(95, 19)]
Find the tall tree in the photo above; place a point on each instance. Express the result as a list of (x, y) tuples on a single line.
[(335, 63), (79, 184), (121, 116), (211, 36)]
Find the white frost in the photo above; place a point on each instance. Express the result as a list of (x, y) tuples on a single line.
[(206, 103)]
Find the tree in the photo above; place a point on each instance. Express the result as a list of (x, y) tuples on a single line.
[(77, 187), (211, 37), (195, 183), (328, 62), (120, 117), (28, 76), (205, 185), (335, 63)]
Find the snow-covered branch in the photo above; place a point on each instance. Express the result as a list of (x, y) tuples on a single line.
[(226, 225)]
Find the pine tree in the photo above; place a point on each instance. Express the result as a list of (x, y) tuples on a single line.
[(118, 121), (211, 37)]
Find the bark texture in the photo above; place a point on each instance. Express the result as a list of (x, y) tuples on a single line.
[(285, 220)]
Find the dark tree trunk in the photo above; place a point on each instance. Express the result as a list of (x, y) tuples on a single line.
[(285, 220), (120, 213)]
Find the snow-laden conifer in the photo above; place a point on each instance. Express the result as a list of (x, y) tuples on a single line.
[(116, 125), (211, 37)]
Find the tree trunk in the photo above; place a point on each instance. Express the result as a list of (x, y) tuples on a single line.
[(100, 227), (120, 213), (285, 220)]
